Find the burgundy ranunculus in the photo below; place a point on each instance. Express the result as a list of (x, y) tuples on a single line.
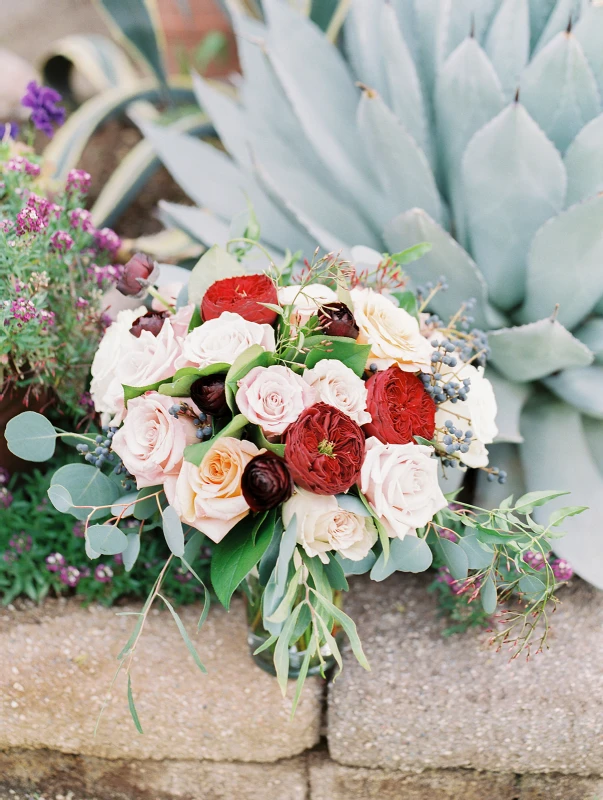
[(209, 395), (138, 273), (324, 450), (242, 295), (152, 322), (266, 482), (400, 407), (336, 319)]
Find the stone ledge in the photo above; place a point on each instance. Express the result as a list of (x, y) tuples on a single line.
[(87, 778), (431, 702), (60, 667)]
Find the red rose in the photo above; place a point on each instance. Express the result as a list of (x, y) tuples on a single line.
[(242, 295), (324, 450), (400, 407)]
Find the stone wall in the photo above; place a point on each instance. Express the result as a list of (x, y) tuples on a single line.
[(436, 717)]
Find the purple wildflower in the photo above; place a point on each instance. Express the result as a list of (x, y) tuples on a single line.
[(23, 310), (86, 402), (44, 110), (534, 560), (9, 130), (70, 576), (47, 319), (6, 225), (61, 242), (108, 240), (78, 182), (103, 573), (21, 543), (6, 497), (29, 221), (79, 529), (81, 219), (183, 575), (444, 533), (562, 570), (110, 273), (55, 562), (40, 205), (4, 476), (20, 164)]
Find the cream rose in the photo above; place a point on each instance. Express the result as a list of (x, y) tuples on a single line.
[(477, 413), (273, 397), (323, 525), (135, 361), (400, 481), (392, 332), (339, 386), (151, 441), (222, 340), (305, 300), (209, 496)]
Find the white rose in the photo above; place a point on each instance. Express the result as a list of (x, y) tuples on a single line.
[(339, 386), (477, 413), (392, 332), (222, 340), (324, 526), (400, 481), (273, 397), (305, 300)]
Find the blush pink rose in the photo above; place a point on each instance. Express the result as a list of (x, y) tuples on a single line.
[(151, 441), (274, 397), (209, 497)]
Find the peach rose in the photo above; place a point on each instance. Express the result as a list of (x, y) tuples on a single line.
[(209, 496), (151, 441), (273, 397)]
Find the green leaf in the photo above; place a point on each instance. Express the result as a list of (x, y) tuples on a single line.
[(335, 574), (383, 535), (278, 581), (132, 707), (303, 672), (130, 554), (283, 609), (237, 554), (532, 587), (172, 530), (130, 392), (347, 351), (281, 651), (411, 254), (125, 505), (260, 441), (192, 546), (214, 265), (528, 502), (31, 436), (254, 356), (195, 453), (410, 554), (146, 506), (488, 595), (455, 558), (478, 556), (190, 646), (357, 567), (107, 540), (185, 377), (349, 628), (268, 560), (560, 514), (407, 301), (88, 488), (60, 499)]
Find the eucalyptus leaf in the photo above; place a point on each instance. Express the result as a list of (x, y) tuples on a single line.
[(455, 558), (172, 530), (88, 487), (146, 502), (107, 540), (187, 641), (132, 706), (488, 595), (60, 498), (125, 505), (357, 567), (479, 556), (31, 436), (132, 551), (411, 554), (281, 651)]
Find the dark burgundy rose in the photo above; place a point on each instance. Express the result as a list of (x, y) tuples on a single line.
[(152, 322), (336, 319), (400, 407), (138, 273), (324, 450), (209, 395), (266, 482), (242, 295)]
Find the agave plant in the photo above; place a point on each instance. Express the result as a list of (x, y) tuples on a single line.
[(475, 125)]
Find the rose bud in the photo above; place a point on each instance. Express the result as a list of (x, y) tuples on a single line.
[(209, 395), (336, 319), (242, 295), (266, 482), (138, 273), (152, 322)]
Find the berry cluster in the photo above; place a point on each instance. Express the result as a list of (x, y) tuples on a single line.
[(201, 421)]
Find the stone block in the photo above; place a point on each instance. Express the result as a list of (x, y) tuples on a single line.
[(560, 787)]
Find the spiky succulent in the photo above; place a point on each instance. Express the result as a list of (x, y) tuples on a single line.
[(475, 125)]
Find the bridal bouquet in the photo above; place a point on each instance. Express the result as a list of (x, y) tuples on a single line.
[(301, 424)]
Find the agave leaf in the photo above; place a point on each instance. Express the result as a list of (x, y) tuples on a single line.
[(581, 388), (427, 14), (530, 352), (508, 43), (591, 334), (559, 90), (446, 257), (584, 163), (460, 19), (490, 494), (468, 94), (593, 430), (558, 21), (577, 471), (404, 87), (407, 23), (399, 164), (362, 42), (564, 264), (589, 32), (510, 399), (540, 11), (509, 197)]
